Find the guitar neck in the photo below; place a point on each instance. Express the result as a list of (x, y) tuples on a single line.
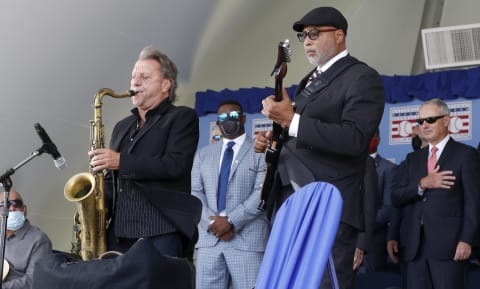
[(273, 150), (278, 90), (278, 96)]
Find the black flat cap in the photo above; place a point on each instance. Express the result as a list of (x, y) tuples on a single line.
[(322, 16)]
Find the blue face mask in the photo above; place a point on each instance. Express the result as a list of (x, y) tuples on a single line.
[(15, 220)]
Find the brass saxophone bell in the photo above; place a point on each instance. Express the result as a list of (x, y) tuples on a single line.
[(87, 191)]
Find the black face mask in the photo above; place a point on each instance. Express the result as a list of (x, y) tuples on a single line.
[(230, 128), (416, 143)]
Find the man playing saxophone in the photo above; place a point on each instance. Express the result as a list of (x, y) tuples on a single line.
[(148, 164)]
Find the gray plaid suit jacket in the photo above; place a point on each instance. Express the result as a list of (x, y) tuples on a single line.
[(243, 195)]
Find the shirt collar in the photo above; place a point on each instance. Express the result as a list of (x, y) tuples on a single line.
[(238, 140), (334, 59), (440, 146), (156, 110)]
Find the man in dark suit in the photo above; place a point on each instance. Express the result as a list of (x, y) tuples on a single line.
[(376, 258), (438, 191), (393, 231), (371, 205), (149, 163), (329, 126)]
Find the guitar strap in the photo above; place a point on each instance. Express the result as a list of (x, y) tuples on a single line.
[(324, 79)]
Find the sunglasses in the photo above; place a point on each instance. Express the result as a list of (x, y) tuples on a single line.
[(430, 120), (312, 34), (233, 115), (15, 203)]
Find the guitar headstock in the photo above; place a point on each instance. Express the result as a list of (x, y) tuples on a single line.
[(283, 56)]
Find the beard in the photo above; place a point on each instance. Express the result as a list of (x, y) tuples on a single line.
[(322, 56)]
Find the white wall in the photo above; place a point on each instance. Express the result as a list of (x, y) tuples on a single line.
[(460, 12)]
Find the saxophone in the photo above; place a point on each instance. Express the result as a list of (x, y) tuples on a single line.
[(87, 191)]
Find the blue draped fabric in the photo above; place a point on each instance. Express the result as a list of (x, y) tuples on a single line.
[(250, 98), (447, 85), (298, 247)]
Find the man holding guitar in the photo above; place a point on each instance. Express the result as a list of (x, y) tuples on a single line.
[(338, 106)]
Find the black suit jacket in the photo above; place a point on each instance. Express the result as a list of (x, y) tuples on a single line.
[(335, 128), (387, 175), (158, 163), (370, 204), (449, 216)]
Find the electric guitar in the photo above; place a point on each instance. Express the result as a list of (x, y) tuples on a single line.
[(273, 151)]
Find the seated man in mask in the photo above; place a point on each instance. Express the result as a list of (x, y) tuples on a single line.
[(25, 245)]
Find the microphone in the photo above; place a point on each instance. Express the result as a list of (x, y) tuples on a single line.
[(50, 148)]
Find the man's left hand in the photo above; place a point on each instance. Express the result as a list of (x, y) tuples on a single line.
[(281, 112), (358, 258), (462, 252), (101, 159)]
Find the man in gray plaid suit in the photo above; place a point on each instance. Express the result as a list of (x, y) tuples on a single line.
[(232, 232)]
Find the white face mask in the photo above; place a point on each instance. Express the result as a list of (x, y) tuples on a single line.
[(15, 220)]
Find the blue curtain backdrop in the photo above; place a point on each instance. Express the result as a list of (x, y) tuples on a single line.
[(447, 85)]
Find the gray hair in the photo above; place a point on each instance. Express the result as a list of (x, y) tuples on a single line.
[(167, 67), (439, 103)]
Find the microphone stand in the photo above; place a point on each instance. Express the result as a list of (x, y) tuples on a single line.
[(6, 182)]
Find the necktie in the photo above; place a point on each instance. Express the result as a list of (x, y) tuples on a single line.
[(314, 75), (432, 160), (224, 174)]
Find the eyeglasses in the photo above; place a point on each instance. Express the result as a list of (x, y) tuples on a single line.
[(233, 115), (16, 203), (312, 34), (429, 120)]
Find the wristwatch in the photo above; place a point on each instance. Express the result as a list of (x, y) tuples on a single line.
[(230, 222)]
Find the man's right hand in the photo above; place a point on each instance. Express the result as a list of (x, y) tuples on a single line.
[(437, 179), (262, 140)]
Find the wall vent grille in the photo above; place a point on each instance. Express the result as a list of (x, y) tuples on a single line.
[(451, 46)]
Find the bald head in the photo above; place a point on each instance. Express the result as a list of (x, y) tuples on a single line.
[(14, 195)]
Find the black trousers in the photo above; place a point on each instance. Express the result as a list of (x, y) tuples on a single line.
[(342, 253)]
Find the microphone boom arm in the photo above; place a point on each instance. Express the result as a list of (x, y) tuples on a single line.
[(11, 171), (6, 182)]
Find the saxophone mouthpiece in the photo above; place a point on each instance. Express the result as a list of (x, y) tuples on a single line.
[(132, 92)]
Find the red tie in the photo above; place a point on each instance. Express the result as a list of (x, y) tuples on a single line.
[(432, 160)]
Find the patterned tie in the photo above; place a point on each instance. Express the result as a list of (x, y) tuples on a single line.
[(224, 174), (314, 75), (432, 160)]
